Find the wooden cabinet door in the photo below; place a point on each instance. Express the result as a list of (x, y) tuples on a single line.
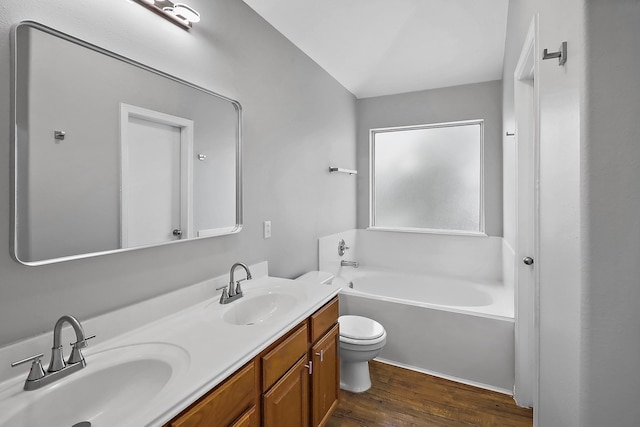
[(287, 402), (249, 419), (325, 379)]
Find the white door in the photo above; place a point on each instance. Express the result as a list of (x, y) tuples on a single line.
[(155, 185), (526, 111)]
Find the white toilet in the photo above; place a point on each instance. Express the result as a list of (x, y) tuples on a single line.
[(361, 340)]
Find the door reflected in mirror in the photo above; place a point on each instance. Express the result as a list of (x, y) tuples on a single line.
[(112, 155)]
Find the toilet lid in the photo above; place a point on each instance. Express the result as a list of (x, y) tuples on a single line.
[(360, 328)]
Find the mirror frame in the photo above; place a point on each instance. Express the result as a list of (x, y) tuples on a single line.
[(14, 143)]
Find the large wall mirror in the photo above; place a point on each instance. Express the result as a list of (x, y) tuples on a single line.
[(112, 155)]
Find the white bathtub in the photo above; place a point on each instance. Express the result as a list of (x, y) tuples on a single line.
[(450, 327)]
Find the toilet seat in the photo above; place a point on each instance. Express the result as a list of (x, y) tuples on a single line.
[(360, 330), (363, 345)]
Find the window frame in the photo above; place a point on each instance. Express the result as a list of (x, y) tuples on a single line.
[(372, 217)]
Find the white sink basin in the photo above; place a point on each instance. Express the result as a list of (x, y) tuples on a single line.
[(262, 305), (115, 384), (259, 309)]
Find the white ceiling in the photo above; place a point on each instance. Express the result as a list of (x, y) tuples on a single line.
[(382, 47)]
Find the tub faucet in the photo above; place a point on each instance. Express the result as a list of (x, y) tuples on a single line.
[(342, 247), (353, 264), (58, 368), (234, 291)]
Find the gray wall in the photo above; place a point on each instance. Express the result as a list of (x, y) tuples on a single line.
[(611, 370), (467, 102), (297, 121)]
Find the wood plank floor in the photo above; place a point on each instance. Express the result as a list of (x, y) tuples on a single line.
[(400, 397)]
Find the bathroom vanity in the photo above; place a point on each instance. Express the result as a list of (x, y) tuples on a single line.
[(294, 381), (183, 359)]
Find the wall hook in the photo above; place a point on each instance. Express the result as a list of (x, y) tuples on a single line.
[(561, 54), (59, 134)]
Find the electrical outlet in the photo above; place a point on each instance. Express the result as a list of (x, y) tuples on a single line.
[(266, 229)]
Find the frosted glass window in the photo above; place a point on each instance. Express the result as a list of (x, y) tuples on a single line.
[(428, 178)]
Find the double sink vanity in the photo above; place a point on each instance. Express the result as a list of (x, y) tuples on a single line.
[(185, 359)]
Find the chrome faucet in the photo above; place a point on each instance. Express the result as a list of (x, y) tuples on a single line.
[(57, 356), (342, 247), (353, 264), (234, 291), (57, 366)]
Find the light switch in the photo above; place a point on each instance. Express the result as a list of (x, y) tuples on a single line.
[(267, 229)]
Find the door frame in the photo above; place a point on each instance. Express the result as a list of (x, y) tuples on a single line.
[(527, 158), (186, 165)]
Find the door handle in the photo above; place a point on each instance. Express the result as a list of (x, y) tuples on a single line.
[(528, 260), (177, 232)]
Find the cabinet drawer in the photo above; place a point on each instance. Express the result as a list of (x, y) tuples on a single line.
[(324, 319), (278, 361), (224, 404)]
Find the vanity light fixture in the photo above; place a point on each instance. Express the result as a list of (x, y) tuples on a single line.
[(178, 13)]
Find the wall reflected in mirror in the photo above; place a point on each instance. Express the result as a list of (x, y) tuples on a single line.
[(112, 155)]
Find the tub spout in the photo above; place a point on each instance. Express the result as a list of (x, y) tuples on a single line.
[(353, 264)]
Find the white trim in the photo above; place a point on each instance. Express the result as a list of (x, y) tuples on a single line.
[(429, 231), (526, 91), (186, 165)]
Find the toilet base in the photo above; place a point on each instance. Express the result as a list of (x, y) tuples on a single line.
[(354, 376)]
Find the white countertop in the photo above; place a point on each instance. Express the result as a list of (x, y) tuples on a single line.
[(204, 347)]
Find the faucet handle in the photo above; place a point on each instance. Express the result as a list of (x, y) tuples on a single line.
[(76, 355), (224, 295), (36, 371), (238, 288), (82, 343), (342, 247)]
